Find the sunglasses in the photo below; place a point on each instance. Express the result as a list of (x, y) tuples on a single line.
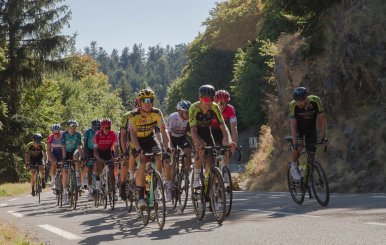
[(107, 128), (147, 100), (206, 99)]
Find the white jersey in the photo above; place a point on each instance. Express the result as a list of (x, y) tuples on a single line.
[(177, 125)]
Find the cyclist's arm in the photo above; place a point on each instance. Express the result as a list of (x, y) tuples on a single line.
[(26, 158), (293, 127), (225, 133), (123, 140), (322, 126), (234, 132), (96, 153), (49, 152), (165, 137), (44, 152), (134, 138)]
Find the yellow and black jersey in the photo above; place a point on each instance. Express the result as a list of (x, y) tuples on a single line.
[(201, 120), (35, 152), (145, 125), (306, 117)]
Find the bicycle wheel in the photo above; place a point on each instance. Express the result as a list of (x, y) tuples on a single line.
[(198, 198), (319, 184), (183, 189), (217, 195), (129, 197), (226, 173), (111, 190), (59, 190), (296, 188), (144, 214), (175, 189), (73, 191), (159, 203), (38, 185)]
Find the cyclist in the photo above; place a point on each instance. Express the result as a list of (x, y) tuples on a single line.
[(125, 143), (35, 154), (73, 141), (56, 149), (201, 114), (104, 147), (222, 98), (304, 111), (142, 123), (88, 152), (177, 127)]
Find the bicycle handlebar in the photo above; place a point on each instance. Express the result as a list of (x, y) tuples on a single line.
[(226, 148), (323, 142)]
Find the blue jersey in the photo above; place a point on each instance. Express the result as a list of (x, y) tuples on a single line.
[(72, 141)]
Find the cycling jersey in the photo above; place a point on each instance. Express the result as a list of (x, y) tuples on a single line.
[(200, 120), (89, 138), (72, 141), (177, 126), (306, 117), (35, 152), (55, 143), (105, 142), (145, 125), (229, 115)]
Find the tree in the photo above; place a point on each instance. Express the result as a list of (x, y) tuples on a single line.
[(31, 31)]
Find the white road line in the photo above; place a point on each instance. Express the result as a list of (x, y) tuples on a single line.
[(3, 205), (276, 212), (60, 232), (14, 213), (379, 196), (13, 199), (375, 223)]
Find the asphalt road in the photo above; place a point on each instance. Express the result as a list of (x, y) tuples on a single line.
[(256, 218)]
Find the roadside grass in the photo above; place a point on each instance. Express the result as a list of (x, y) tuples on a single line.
[(10, 234), (13, 189)]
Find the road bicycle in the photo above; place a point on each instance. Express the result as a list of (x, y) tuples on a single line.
[(313, 178), (212, 189)]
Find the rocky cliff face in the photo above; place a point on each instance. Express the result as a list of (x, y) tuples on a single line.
[(350, 77)]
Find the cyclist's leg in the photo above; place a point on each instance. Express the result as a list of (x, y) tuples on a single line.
[(42, 171), (140, 183), (33, 172), (311, 142)]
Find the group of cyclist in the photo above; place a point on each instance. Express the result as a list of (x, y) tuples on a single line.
[(143, 130)]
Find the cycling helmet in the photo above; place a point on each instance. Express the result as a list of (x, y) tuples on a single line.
[(95, 123), (72, 123), (56, 127), (183, 105), (222, 95), (37, 137), (106, 122), (136, 102), (146, 93), (206, 91), (300, 93)]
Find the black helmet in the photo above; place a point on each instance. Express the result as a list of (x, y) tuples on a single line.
[(37, 137), (206, 91), (300, 93), (72, 123), (95, 123)]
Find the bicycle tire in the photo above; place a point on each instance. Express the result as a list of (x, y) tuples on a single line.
[(198, 197), (129, 197), (37, 184), (175, 189), (296, 188), (183, 189), (319, 183), (74, 191), (159, 205), (228, 190), (217, 195), (59, 190), (111, 190)]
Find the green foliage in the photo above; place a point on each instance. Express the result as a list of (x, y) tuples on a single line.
[(136, 69), (31, 32), (251, 70)]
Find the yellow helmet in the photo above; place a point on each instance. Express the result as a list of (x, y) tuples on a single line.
[(146, 93)]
